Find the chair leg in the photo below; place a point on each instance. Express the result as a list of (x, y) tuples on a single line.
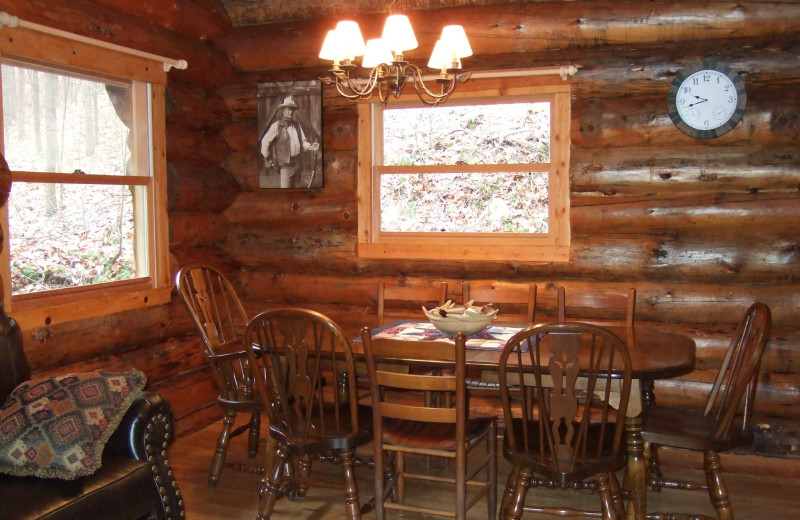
[(616, 494), (516, 496), (604, 490), (717, 490), (271, 485), (352, 506), (218, 460), (400, 475), (491, 471), (508, 492), (255, 433), (303, 470), (654, 476)]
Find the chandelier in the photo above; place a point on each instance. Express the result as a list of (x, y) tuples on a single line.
[(390, 71)]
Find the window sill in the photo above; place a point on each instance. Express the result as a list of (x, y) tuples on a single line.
[(57, 307)]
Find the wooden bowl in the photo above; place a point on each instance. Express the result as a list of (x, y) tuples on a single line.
[(469, 323)]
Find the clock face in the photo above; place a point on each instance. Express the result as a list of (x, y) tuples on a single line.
[(706, 100)]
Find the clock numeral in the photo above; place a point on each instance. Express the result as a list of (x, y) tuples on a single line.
[(731, 100)]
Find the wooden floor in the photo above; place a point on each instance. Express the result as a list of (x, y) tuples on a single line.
[(772, 493)]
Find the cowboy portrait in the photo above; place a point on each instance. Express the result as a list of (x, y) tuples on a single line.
[(289, 142)]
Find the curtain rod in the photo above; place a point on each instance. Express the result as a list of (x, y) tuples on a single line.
[(13, 21), (565, 71)]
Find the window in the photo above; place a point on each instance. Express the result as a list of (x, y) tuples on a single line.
[(484, 176), (83, 136)]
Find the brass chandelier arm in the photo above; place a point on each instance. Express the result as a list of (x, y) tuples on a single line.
[(423, 90)]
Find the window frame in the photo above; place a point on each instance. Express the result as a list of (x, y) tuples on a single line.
[(552, 246), (68, 56)]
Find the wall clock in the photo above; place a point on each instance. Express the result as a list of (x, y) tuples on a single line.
[(707, 99)]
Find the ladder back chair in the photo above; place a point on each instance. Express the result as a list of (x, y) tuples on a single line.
[(404, 425), (505, 297), (561, 431), (519, 295), (418, 294), (605, 308), (298, 358), (220, 321), (726, 420)]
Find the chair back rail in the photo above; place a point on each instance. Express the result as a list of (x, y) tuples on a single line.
[(498, 294), (419, 294), (622, 305)]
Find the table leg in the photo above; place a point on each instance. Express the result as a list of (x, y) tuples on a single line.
[(636, 471)]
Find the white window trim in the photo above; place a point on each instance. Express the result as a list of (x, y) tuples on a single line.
[(550, 247), (64, 305)]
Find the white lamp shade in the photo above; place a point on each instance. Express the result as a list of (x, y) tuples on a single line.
[(398, 34), (331, 50), (350, 39), (456, 40), (443, 58), (377, 52)]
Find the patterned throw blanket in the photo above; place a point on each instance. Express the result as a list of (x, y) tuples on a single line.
[(493, 337)]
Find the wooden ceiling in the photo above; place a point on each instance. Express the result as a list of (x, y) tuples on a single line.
[(254, 12)]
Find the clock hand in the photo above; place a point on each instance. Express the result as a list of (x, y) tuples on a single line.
[(702, 100)]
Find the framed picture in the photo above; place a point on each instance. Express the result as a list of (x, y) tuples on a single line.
[(290, 134)]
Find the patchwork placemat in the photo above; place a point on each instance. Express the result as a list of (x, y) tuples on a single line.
[(492, 337)]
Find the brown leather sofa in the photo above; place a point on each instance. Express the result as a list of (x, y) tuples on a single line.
[(135, 481)]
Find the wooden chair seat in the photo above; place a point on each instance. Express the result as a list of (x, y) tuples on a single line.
[(688, 429)]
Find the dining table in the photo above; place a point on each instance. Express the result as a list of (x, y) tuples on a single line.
[(657, 353)]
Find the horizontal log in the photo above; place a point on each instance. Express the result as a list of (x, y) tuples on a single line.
[(656, 302), (615, 122), (287, 207), (78, 341), (160, 361), (199, 19), (776, 396), (189, 185), (189, 394), (197, 229), (689, 169), (726, 216), (535, 27), (241, 135), (196, 148), (208, 65), (206, 254), (195, 108)]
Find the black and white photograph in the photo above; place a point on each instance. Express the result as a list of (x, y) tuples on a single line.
[(290, 134)]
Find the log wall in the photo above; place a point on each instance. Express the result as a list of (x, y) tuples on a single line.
[(160, 341), (700, 227)]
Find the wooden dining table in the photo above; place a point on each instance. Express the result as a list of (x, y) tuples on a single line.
[(656, 354)]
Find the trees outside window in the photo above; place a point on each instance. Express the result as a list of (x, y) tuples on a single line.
[(84, 138), (476, 178)]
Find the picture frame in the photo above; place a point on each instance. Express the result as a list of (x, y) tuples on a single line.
[(290, 135)]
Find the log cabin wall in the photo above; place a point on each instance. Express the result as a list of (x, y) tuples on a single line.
[(158, 340), (700, 228)]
